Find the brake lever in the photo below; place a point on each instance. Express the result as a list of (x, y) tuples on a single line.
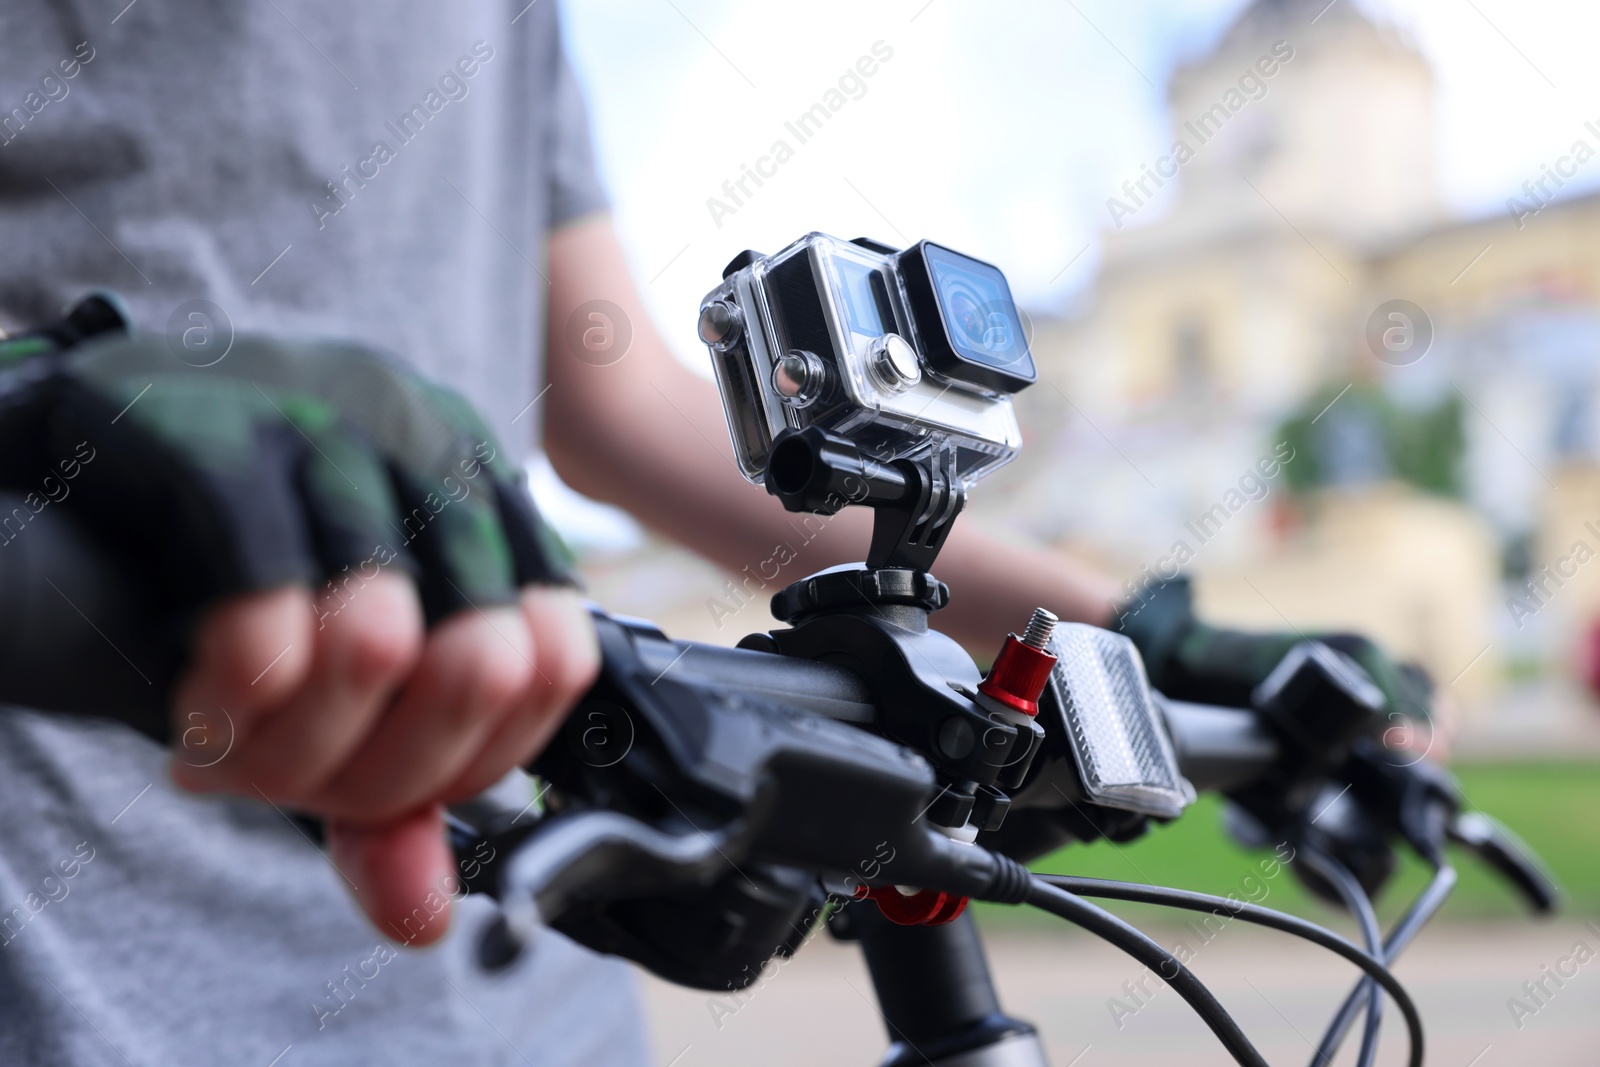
[(1503, 851), (1430, 811), (598, 855)]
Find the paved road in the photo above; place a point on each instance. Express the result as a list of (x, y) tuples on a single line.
[(816, 1009)]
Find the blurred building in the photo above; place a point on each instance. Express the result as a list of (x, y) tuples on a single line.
[(1239, 299), (1217, 406)]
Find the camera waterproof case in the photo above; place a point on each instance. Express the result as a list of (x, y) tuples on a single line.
[(909, 354)]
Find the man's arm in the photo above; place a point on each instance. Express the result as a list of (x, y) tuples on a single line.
[(648, 435)]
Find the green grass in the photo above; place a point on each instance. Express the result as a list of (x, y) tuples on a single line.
[(1554, 807)]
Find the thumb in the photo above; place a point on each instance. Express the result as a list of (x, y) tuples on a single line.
[(401, 873)]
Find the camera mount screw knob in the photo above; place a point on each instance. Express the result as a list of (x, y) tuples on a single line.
[(894, 363)]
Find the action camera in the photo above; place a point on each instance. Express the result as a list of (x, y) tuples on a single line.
[(906, 353)]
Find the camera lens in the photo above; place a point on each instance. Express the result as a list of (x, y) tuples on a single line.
[(968, 328), (967, 316), (979, 317)]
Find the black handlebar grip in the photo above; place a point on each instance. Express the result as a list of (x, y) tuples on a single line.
[(81, 635)]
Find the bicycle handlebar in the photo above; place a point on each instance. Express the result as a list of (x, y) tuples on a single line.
[(86, 636)]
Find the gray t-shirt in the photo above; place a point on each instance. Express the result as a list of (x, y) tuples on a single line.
[(383, 173)]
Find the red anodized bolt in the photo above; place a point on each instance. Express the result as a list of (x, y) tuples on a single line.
[(1022, 668), (1015, 681)]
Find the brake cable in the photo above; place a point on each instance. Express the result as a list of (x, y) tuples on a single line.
[(1359, 905), (1418, 915), (1055, 899), (1253, 913)]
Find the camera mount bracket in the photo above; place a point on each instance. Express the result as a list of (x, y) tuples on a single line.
[(914, 502), (873, 618)]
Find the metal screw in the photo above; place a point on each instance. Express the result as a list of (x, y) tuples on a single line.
[(1040, 627)]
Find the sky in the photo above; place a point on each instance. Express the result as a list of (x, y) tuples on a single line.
[(997, 127)]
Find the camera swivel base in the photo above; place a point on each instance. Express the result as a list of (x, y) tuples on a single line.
[(856, 587)]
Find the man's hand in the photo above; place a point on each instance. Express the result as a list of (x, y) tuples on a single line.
[(374, 723), (1188, 659), (383, 628)]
